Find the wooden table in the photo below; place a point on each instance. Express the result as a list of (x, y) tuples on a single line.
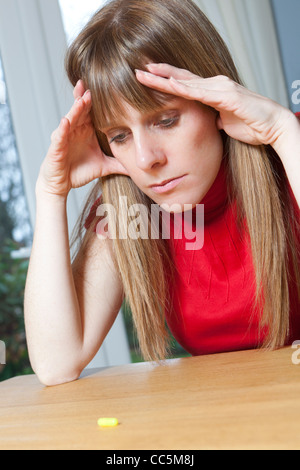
[(240, 400)]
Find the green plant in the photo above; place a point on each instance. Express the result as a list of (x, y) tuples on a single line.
[(13, 274)]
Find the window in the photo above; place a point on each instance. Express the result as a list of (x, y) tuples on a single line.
[(13, 202), (15, 238), (76, 14)]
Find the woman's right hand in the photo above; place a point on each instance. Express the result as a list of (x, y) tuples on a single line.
[(75, 158)]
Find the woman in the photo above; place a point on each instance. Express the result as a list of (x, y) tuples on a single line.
[(156, 87)]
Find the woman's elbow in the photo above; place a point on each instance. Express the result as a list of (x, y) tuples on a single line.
[(55, 377)]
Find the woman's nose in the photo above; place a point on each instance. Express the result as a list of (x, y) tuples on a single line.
[(149, 152)]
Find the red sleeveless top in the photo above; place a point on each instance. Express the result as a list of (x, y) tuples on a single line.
[(214, 291)]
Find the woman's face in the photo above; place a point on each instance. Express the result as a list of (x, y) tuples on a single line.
[(172, 154)]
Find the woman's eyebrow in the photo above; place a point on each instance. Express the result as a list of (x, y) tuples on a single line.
[(110, 126), (113, 125)]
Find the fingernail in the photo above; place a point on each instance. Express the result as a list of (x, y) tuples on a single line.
[(143, 72)]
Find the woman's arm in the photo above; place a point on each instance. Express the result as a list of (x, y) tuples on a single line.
[(68, 312), (287, 147)]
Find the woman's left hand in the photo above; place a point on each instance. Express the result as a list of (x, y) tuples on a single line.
[(243, 115)]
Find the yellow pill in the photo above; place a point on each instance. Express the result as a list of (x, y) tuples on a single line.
[(108, 422)]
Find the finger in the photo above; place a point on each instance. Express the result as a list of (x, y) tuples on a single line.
[(169, 85), (78, 112), (217, 92), (218, 99), (84, 118), (159, 81), (218, 83), (209, 91), (79, 89), (227, 98), (75, 110), (154, 81), (59, 137), (168, 71)]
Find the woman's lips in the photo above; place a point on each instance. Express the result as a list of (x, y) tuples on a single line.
[(167, 185)]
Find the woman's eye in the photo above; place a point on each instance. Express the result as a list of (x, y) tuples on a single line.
[(170, 122), (118, 139)]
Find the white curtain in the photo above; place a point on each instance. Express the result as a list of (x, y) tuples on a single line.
[(248, 28)]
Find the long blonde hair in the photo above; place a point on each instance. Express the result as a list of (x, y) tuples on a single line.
[(124, 36)]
